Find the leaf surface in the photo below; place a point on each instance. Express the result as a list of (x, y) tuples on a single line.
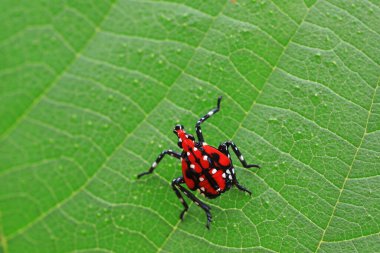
[(90, 94)]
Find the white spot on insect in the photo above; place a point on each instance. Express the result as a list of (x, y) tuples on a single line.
[(224, 175), (170, 150), (229, 156), (205, 157), (188, 153), (241, 158), (213, 171), (230, 177), (228, 171), (195, 149), (202, 189), (187, 136), (192, 166), (210, 113), (200, 130), (197, 203), (154, 165), (179, 140), (201, 179), (181, 159), (204, 144), (233, 171), (181, 199), (218, 190)]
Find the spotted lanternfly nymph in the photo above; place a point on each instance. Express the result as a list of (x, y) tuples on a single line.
[(204, 168)]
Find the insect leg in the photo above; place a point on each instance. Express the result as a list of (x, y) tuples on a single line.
[(176, 182), (239, 186), (159, 158), (224, 149), (204, 118), (238, 154), (199, 203)]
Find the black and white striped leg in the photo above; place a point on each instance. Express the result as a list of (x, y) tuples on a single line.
[(204, 118), (177, 183), (228, 144), (159, 158)]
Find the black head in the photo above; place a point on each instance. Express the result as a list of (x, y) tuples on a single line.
[(178, 128)]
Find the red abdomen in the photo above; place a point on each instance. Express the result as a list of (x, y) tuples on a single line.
[(207, 169)]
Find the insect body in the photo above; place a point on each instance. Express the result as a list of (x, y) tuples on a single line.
[(204, 168)]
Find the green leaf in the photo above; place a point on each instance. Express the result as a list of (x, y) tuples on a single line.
[(90, 92)]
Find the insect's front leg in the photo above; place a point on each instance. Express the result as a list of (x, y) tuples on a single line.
[(204, 118), (224, 147), (159, 158)]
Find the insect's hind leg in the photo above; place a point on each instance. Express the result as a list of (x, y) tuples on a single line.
[(177, 183), (204, 118), (159, 158)]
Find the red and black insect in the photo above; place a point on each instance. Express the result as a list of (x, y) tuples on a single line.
[(204, 168)]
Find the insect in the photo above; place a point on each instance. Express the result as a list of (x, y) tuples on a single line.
[(204, 168)]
